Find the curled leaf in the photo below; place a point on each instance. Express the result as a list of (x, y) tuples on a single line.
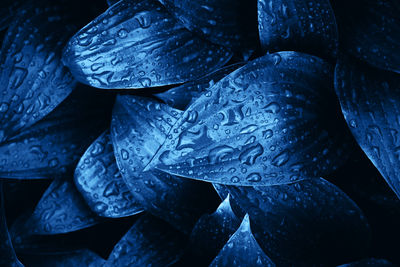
[(370, 103), (137, 44), (242, 249), (150, 242), (98, 179), (304, 26), (263, 124), (33, 79), (308, 222)]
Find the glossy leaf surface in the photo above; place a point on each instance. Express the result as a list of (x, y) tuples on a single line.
[(263, 124), (138, 129), (370, 104), (310, 221), (242, 249), (138, 44), (150, 242), (54, 145), (32, 77), (304, 26), (98, 179)]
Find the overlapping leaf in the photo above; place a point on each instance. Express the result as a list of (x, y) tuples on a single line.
[(242, 249), (370, 31), (33, 79), (60, 210), (264, 124), (138, 128), (137, 44), (304, 26), (308, 222), (369, 262), (150, 242), (370, 104), (98, 179), (230, 23), (53, 146), (83, 258), (8, 257), (181, 96)]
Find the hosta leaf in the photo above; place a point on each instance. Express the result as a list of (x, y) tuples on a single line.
[(150, 242), (137, 44), (138, 128), (370, 104), (306, 26), (371, 34), (53, 146), (7, 253), (308, 222), (369, 262), (98, 179), (211, 233), (60, 210), (32, 77), (242, 249), (230, 23), (83, 258), (263, 124), (181, 96)]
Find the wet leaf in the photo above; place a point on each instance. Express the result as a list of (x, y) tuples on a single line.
[(230, 23), (138, 44), (263, 124), (7, 11), (304, 26), (83, 258), (98, 179), (370, 104), (181, 96), (54, 145), (372, 33), (60, 210), (242, 249), (308, 222), (369, 262), (138, 128), (150, 242), (33, 78), (8, 257)]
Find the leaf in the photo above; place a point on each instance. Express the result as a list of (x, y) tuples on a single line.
[(263, 124), (138, 44), (54, 145), (181, 96), (242, 249), (150, 242), (83, 258), (60, 210), (138, 128), (304, 26), (98, 179), (7, 11), (33, 78), (8, 257), (307, 223), (112, 2), (369, 262), (372, 33), (230, 23), (369, 99)]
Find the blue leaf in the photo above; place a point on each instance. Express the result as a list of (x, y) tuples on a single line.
[(138, 44), (150, 242), (33, 79), (83, 258), (264, 124), (370, 103), (7, 11), (54, 145), (305, 223), (304, 26), (242, 249), (138, 129), (98, 179), (369, 262)]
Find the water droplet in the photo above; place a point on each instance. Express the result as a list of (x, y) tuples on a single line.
[(145, 82), (100, 207), (249, 129), (353, 124), (219, 154), (143, 19), (281, 159), (124, 154), (250, 155), (253, 177), (3, 107), (123, 33), (272, 107)]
